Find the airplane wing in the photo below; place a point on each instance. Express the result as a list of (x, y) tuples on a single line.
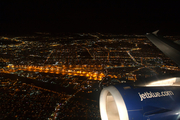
[(168, 47)]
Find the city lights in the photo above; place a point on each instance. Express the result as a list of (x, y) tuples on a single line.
[(68, 71)]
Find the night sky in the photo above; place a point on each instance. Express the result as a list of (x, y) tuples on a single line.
[(129, 17)]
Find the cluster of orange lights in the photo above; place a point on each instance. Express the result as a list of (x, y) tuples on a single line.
[(57, 70)]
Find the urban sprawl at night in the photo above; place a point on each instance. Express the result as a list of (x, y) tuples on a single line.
[(60, 76)]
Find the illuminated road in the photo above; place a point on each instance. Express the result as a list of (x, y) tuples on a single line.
[(64, 103), (128, 52), (132, 57), (48, 56)]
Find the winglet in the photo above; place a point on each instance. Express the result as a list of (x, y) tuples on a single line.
[(155, 32)]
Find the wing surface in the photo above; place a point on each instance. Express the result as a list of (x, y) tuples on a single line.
[(168, 47)]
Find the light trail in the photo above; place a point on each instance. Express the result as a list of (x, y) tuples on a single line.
[(64, 103), (48, 56), (132, 57), (90, 53)]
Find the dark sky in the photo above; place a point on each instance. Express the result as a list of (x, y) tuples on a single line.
[(87, 16)]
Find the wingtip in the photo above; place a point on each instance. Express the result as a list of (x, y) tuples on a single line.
[(155, 32)]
